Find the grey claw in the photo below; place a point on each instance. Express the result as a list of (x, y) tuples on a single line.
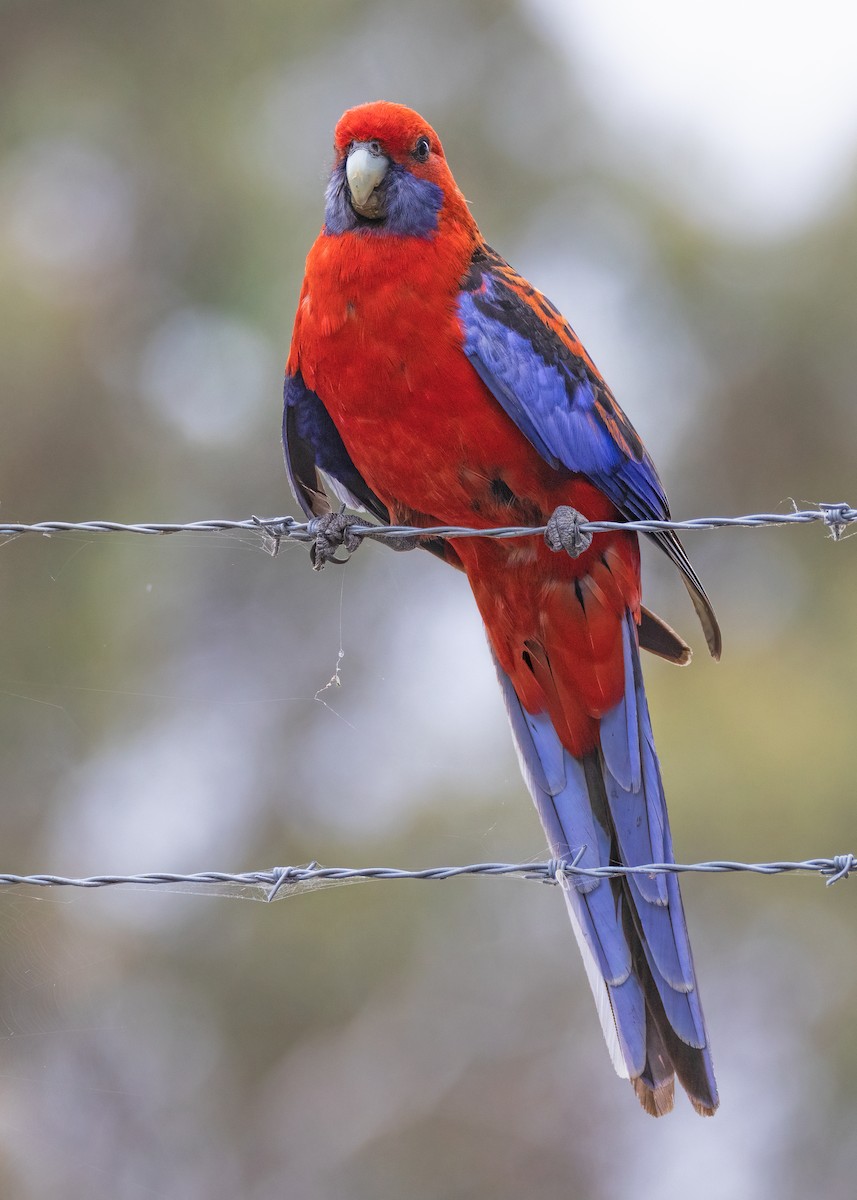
[(563, 531), (332, 531)]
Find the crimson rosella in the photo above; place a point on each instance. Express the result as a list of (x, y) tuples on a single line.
[(429, 384)]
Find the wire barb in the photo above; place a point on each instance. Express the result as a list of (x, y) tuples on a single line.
[(836, 517), (273, 532), (840, 868), (284, 875)]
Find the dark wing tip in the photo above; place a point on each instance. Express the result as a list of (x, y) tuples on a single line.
[(658, 1101), (707, 619), (301, 468), (669, 542)]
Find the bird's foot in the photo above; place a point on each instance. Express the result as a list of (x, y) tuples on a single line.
[(330, 532), (563, 531)]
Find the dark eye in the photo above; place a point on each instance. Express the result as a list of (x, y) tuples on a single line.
[(422, 149)]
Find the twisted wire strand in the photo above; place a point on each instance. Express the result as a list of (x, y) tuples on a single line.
[(836, 517), (280, 880)]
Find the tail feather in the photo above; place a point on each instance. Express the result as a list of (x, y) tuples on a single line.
[(631, 930), (655, 924), (622, 1032)]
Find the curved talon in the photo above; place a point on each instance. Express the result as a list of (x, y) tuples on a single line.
[(563, 531), (332, 531)]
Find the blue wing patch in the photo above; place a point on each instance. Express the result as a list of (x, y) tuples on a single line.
[(532, 362)]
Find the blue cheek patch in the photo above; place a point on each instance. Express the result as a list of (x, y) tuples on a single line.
[(413, 204), (339, 216)]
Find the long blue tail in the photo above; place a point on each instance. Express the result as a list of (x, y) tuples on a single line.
[(631, 930)]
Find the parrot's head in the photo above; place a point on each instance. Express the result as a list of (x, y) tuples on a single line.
[(390, 174)]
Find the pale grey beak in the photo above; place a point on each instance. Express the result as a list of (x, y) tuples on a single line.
[(365, 169)]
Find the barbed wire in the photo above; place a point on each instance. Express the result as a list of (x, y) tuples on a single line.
[(836, 517), (280, 881)]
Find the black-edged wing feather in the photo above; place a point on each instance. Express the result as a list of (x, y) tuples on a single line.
[(313, 448)]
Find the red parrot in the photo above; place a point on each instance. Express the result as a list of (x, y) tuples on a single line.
[(429, 384)]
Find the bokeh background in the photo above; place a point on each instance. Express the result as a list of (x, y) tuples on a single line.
[(683, 185)]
